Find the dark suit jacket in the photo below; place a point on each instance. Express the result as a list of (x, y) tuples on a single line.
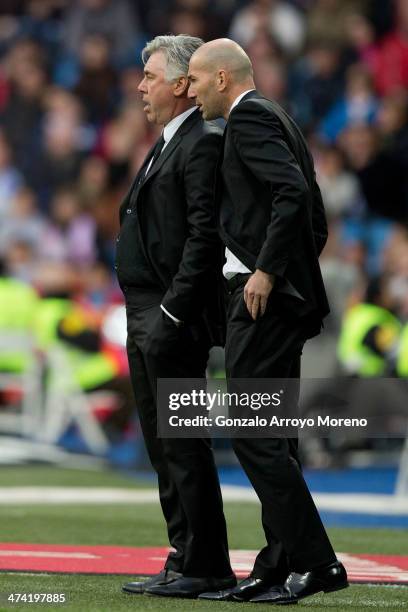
[(270, 208), (176, 223)]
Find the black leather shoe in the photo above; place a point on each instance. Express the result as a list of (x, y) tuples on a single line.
[(244, 591), (165, 577), (330, 578), (190, 588)]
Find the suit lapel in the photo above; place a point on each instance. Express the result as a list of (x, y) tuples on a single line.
[(134, 184), (137, 185), (184, 128), (218, 173), (173, 144), (146, 161), (249, 96)]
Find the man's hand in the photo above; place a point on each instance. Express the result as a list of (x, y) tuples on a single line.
[(256, 292)]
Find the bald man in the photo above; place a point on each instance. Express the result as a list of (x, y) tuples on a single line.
[(272, 222)]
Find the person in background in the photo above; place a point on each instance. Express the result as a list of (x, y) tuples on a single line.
[(369, 333), (358, 106), (23, 223), (70, 236), (116, 19), (11, 179), (18, 302)]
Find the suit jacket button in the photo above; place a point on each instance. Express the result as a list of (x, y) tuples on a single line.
[(129, 210)]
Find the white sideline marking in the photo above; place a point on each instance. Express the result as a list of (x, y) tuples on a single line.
[(365, 503), (76, 495), (47, 554)]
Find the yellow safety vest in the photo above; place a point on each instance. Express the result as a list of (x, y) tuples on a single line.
[(358, 321), (88, 370), (18, 303), (402, 358)]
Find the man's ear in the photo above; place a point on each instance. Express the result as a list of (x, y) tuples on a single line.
[(180, 86), (221, 80)]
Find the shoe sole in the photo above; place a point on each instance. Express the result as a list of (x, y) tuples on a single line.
[(214, 598), (171, 595), (189, 595), (337, 588), (184, 596), (141, 592), (241, 599), (291, 603)]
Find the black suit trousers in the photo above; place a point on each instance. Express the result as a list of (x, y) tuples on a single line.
[(189, 488), (271, 348)]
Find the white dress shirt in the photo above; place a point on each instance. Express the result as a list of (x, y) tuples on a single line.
[(169, 130), (233, 265)]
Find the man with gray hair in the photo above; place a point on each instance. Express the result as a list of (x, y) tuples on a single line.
[(166, 261)]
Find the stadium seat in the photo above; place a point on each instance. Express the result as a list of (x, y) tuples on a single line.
[(66, 404), (20, 370)]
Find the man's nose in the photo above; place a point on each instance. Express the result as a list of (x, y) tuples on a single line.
[(191, 93), (142, 86)]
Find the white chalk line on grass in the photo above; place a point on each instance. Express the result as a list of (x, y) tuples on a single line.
[(365, 503), (36, 574), (367, 603), (76, 495), (46, 554)]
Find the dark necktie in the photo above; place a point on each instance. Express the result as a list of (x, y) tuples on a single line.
[(156, 153), (158, 147)]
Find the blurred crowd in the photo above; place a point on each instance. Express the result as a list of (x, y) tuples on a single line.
[(73, 132)]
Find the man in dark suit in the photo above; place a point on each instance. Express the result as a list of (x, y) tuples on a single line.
[(166, 265), (273, 225)]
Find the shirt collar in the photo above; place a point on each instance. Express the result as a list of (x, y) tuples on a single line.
[(171, 128), (239, 98)]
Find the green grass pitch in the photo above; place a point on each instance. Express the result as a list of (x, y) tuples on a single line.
[(142, 525)]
